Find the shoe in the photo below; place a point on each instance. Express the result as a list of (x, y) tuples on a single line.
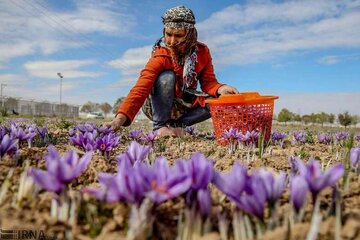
[(165, 131), (178, 131)]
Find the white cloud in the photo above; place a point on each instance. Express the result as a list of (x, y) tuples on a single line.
[(338, 58), (11, 78), (69, 69), (261, 31), (131, 63), (29, 26)]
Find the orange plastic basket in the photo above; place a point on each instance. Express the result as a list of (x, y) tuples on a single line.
[(246, 111)]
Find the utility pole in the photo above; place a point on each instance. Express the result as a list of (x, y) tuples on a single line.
[(61, 77), (2, 85)]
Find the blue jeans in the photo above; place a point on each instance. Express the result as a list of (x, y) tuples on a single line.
[(162, 98)]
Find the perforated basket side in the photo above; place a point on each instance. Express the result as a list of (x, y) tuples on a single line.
[(243, 117)]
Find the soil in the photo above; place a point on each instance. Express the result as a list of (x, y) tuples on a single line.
[(109, 221)]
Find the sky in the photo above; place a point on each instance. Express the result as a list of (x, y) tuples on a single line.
[(306, 52)]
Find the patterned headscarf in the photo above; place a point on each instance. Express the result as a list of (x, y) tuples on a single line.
[(181, 17)]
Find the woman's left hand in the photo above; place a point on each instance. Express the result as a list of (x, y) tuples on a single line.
[(226, 90)]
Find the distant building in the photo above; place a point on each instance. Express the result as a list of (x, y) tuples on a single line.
[(36, 108)]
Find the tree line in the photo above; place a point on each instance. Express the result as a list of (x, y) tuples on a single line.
[(345, 119), (105, 107)]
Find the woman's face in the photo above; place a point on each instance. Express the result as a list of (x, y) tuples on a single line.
[(174, 39)]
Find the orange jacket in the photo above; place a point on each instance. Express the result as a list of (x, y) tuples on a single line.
[(160, 61)]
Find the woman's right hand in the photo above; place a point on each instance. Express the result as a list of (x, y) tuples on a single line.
[(117, 122)]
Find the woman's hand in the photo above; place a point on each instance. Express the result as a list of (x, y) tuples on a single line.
[(117, 122), (226, 90)]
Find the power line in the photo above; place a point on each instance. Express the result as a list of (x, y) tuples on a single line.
[(64, 29)]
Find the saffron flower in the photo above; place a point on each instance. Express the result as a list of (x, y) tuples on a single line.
[(87, 127), (278, 137), (19, 133), (253, 199), (85, 141), (355, 159), (299, 137), (190, 130), (201, 171), (318, 180), (232, 183), (150, 136), (231, 136), (8, 145), (357, 137), (274, 184), (324, 139), (42, 131), (249, 138), (166, 182), (103, 130), (135, 135), (298, 191), (339, 136), (72, 132), (134, 154), (127, 185), (61, 170), (106, 143)]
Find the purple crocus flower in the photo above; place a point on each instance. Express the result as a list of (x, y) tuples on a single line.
[(339, 136), (355, 159), (298, 191), (294, 165), (19, 133), (128, 185), (201, 171), (86, 141), (4, 130), (190, 130), (278, 137), (231, 134), (166, 182), (72, 132), (8, 145), (324, 139), (106, 143), (232, 183), (250, 137), (300, 137), (274, 185), (42, 131), (357, 137), (253, 199), (135, 135), (150, 136), (87, 127), (61, 170), (318, 180), (103, 130), (135, 153)]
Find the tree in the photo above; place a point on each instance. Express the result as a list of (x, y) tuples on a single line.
[(117, 104), (106, 108), (285, 115), (89, 107), (345, 119), (331, 118), (306, 119), (11, 103)]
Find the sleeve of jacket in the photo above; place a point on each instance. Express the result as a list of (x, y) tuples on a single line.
[(207, 78), (138, 94)]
